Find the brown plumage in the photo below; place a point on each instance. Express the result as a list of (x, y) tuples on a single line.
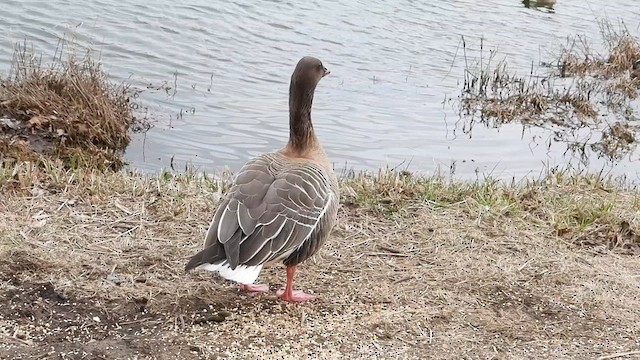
[(635, 70), (282, 205)]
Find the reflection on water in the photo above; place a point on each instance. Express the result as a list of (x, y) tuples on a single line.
[(221, 69)]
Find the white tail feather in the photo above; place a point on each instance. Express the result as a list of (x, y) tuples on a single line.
[(242, 274)]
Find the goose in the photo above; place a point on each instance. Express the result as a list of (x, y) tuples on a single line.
[(634, 72), (281, 206), (539, 3)]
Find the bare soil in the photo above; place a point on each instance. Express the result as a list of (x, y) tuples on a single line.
[(91, 267)]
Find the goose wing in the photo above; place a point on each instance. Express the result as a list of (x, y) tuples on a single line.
[(273, 207)]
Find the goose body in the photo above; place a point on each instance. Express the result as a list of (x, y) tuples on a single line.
[(281, 206), (634, 72), (539, 3)]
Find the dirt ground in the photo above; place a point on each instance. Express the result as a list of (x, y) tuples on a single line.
[(91, 267)]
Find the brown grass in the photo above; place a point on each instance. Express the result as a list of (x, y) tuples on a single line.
[(618, 139), (599, 93), (496, 95), (91, 264), (578, 58), (67, 109)]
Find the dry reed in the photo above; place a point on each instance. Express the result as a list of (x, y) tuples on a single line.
[(588, 90), (579, 58)]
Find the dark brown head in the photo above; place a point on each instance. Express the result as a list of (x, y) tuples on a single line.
[(304, 80), (308, 72)]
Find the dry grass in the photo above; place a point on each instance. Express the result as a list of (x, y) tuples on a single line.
[(67, 109), (496, 95), (588, 90), (91, 264), (618, 139), (578, 58)]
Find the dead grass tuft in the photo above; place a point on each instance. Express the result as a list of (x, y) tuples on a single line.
[(579, 59), (67, 109), (417, 267), (618, 139), (599, 92), (496, 95)]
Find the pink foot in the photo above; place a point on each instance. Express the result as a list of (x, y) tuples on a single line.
[(296, 296), (254, 288)]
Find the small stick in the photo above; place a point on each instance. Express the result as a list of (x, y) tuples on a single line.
[(17, 339), (387, 254), (389, 249), (525, 264), (613, 356), (406, 278)]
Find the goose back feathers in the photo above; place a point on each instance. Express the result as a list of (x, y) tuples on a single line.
[(278, 209)]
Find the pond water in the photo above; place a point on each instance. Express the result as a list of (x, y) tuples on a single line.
[(393, 64)]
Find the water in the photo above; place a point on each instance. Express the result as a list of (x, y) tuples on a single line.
[(392, 64)]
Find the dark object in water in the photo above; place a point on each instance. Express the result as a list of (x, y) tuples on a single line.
[(539, 3), (635, 70)]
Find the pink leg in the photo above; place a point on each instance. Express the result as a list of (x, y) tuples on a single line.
[(254, 288), (288, 294)]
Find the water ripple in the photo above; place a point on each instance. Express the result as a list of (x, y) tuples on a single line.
[(392, 65)]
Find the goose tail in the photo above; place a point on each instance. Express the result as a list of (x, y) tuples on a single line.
[(213, 259)]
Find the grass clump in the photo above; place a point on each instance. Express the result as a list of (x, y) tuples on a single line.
[(66, 109), (621, 49), (497, 95), (586, 90), (569, 203)]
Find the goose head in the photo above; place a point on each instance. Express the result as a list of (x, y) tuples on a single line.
[(306, 76), (304, 80), (308, 73)]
